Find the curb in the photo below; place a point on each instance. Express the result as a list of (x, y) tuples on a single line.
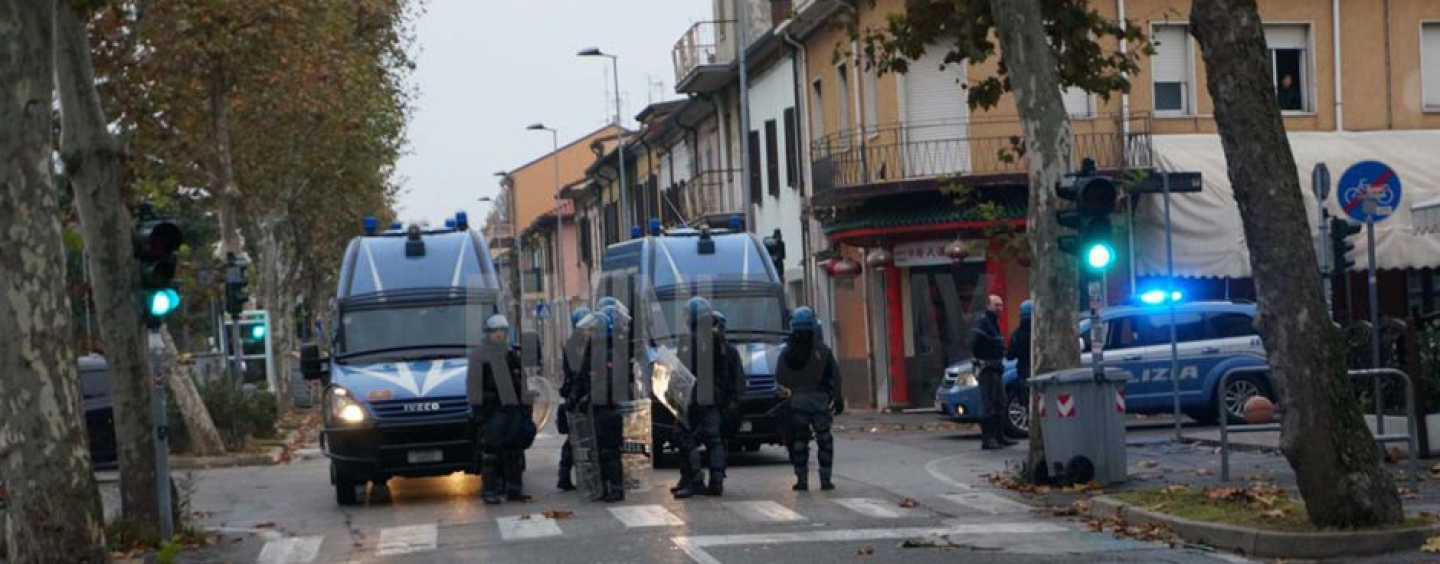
[(1271, 544), (1235, 446), (209, 462)]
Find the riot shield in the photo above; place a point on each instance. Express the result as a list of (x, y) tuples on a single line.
[(672, 384)]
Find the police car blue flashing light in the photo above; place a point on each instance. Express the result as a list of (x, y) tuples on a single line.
[(396, 225), (462, 221), (1156, 297), (735, 223), (636, 232), (449, 224), (371, 224), (655, 227)]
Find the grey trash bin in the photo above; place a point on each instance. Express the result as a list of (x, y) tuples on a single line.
[(1082, 422)]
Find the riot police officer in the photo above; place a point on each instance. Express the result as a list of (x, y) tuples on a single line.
[(502, 415), (807, 372), (571, 357), (595, 390), (708, 356)]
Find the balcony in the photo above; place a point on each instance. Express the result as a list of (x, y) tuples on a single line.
[(702, 61), (701, 199), (865, 163)]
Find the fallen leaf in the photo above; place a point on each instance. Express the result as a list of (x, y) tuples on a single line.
[(1220, 494), (264, 525), (1043, 489), (1409, 495), (1148, 463), (1396, 454), (1176, 489), (1273, 513), (1432, 545), (866, 551), (558, 514), (908, 503), (1429, 517), (525, 517), (1204, 472)]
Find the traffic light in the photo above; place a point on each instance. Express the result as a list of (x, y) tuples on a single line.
[(236, 285), (255, 333), (1094, 198), (157, 240), (1341, 245)]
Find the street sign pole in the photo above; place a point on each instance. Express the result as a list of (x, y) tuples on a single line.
[(1320, 185), (162, 434), (1097, 337), (1370, 207)]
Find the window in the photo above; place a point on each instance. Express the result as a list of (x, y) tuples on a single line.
[(1430, 65), (1123, 334), (844, 109), (1231, 325), (869, 82), (1171, 70), (772, 158), (586, 253), (817, 111), (1155, 329), (1289, 47), (94, 384), (755, 164), (1078, 103), (792, 150)]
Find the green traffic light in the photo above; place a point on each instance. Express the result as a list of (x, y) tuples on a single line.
[(162, 302), (1099, 256), (257, 332)]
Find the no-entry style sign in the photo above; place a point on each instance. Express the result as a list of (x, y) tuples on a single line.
[(1373, 181)]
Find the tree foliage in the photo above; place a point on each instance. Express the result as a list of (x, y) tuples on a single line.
[(1077, 34)]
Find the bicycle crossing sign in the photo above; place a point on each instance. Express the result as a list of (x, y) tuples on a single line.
[(1369, 191)]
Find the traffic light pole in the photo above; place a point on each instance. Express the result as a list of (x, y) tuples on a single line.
[(162, 434)]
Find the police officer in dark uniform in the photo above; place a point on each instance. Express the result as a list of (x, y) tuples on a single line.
[(607, 386), (707, 355), (807, 373), (495, 388), (988, 348), (571, 357)]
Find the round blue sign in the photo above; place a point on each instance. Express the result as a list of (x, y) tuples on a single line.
[(1373, 181)]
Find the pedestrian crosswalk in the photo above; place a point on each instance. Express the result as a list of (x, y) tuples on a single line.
[(419, 539)]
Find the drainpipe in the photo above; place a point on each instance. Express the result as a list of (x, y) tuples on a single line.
[(1335, 38), (1389, 80), (1125, 143), (798, 56)]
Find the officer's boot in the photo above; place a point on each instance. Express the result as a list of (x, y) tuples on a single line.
[(987, 434), (826, 456), (800, 458), (567, 467), (612, 472), (514, 467), (717, 483), (492, 483)]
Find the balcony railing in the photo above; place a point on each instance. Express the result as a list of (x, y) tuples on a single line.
[(702, 195), (698, 49), (982, 147)]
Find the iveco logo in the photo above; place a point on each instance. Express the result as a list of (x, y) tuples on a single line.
[(422, 407)]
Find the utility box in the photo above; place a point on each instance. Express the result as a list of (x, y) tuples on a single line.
[(1082, 422)]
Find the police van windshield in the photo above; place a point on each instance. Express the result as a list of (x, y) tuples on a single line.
[(745, 316), (411, 331)]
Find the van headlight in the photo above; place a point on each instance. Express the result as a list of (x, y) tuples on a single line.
[(344, 407), (967, 379)]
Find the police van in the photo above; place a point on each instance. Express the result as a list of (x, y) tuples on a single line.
[(409, 304), (654, 276)]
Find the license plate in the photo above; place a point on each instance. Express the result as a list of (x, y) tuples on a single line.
[(424, 456), (746, 426)]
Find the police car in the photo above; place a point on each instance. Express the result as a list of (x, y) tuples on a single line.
[(1212, 337)]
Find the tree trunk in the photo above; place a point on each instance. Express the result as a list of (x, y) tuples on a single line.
[(223, 177), (1026, 53), (204, 438), (1337, 465), (92, 162), (54, 505)]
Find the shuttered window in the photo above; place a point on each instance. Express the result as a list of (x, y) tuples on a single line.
[(756, 190), (1077, 103), (1430, 64), (1170, 70), (792, 149), (772, 158)]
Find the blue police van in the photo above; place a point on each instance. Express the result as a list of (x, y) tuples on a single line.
[(736, 271), (409, 304), (1212, 337)]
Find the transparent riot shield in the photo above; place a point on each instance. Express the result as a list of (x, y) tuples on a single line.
[(637, 452), (586, 444)]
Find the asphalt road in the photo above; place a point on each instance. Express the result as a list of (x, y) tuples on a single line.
[(288, 514)]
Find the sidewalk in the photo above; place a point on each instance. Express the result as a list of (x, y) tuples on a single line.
[(890, 422)]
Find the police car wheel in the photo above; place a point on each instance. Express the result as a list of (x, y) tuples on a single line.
[(1017, 415), (1237, 391)]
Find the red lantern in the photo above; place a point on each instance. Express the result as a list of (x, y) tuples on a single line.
[(957, 251), (843, 269)]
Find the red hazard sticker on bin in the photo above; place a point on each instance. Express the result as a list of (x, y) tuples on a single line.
[(1120, 401), (1065, 405)]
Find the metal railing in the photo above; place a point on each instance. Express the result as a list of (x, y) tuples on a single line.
[(983, 146), (703, 194), (698, 47), (1410, 437)]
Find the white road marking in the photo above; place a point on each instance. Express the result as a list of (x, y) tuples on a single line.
[(694, 547), (646, 516), (933, 468), (872, 507), (293, 550), (407, 540), (763, 511), (537, 526), (988, 503)]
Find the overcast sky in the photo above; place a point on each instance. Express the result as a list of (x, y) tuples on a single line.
[(486, 69)]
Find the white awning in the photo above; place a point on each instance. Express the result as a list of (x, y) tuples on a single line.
[(1209, 241)]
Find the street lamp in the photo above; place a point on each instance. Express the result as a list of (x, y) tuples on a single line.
[(559, 221), (615, 66)]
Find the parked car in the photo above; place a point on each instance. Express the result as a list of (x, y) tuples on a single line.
[(1212, 338), (95, 393)]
